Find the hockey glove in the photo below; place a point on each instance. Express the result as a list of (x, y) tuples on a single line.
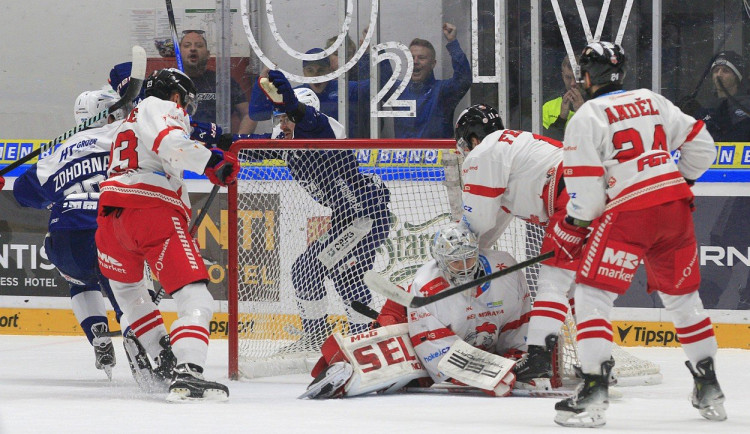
[(205, 132), (568, 239), (222, 168), (284, 88)]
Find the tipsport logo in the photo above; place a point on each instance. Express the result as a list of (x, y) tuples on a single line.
[(644, 336)]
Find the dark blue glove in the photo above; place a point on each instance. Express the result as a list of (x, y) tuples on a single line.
[(205, 132), (283, 86)]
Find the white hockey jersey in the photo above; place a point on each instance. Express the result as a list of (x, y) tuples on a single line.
[(492, 317), (504, 176), (617, 153), (150, 153)]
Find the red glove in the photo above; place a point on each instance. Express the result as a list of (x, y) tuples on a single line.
[(2, 182), (568, 240), (222, 168)]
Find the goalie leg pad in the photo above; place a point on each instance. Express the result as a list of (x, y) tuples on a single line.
[(382, 360)]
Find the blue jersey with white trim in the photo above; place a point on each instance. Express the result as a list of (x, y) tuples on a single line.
[(67, 182)]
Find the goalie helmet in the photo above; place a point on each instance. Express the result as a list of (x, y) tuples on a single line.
[(92, 102), (163, 82), (604, 61), (456, 251), (479, 121)]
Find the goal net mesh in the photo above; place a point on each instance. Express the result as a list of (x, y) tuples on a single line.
[(287, 221)]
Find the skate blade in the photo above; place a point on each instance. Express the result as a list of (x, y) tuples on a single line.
[(336, 377), (108, 370), (592, 417), (182, 395), (714, 412)]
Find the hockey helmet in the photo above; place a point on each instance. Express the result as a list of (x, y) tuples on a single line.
[(456, 250), (478, 120), (161, 83), (307, 96), (92, 102), (604, 61)]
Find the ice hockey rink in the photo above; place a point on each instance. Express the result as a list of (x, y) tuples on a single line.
[(50, 385)]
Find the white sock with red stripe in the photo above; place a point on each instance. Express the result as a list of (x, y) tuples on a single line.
[(550, 305), (693, 326), (189, 335), (136, 304), (594, 329)]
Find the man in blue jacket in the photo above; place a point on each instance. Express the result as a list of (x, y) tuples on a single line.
[(436, 99)]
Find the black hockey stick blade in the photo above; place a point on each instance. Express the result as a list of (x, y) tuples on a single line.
[(383, 286), (364, 309), (137, 75), (175, 39)]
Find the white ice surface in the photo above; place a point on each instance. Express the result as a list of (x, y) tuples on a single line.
[(50, 385)]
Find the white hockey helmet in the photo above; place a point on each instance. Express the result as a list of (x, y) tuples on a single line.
[(456, 250), (307, 96), (92, 102)]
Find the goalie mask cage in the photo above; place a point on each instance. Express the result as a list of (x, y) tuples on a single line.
[(273, 221)]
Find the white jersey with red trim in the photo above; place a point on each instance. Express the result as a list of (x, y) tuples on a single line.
[(151, 150), (492, 317), (504, 176), (617, 153)]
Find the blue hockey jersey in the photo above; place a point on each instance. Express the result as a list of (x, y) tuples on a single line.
[(67, 182)]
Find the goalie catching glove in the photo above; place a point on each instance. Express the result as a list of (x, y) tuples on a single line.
[(222, 168)]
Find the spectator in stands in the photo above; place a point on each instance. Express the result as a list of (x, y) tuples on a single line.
[(436, 99), (261, 107), (729, 119), (195, 54), (557, 112)]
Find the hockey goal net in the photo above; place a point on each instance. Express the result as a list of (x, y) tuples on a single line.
[(282, 300)]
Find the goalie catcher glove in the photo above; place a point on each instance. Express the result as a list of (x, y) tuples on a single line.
[(206, 132), (222, 168), (568, 239)]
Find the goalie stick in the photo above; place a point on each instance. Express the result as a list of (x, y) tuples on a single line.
[(137, 75), (384, 287), (175, 40)]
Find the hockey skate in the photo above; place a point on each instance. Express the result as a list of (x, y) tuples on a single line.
[(166, 361), (534, 371), (329, 383), (189, 385), (104, 351), (587, 408), (148, 378), (707, 396)]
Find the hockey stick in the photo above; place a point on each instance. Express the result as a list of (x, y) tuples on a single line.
[(383, 286), (175, 41), (137, 75), (364, 309), (202, 215)]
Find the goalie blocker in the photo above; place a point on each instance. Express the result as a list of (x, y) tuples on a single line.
[(383, 360)]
